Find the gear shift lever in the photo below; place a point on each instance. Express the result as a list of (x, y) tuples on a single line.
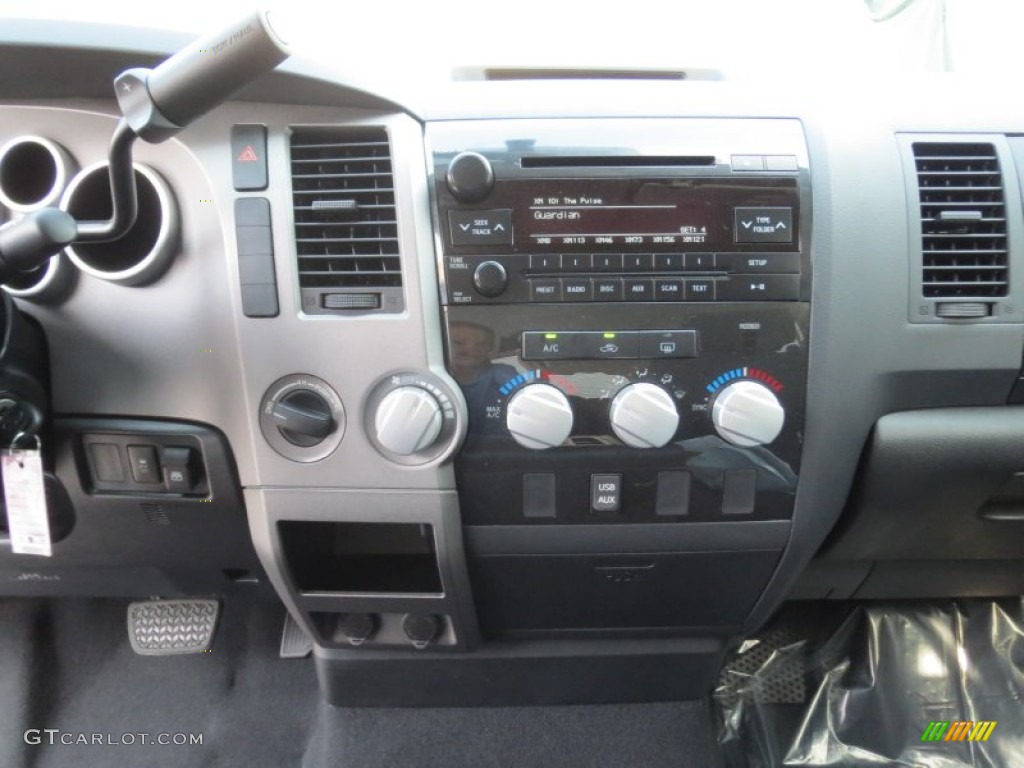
[(156, 104)]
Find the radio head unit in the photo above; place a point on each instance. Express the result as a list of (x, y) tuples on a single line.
[(553, 211)]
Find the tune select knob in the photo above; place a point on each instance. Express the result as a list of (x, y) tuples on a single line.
[(539, 416), (490, 279), (643, 415), (408, 420), (470, 177), (747, 414)]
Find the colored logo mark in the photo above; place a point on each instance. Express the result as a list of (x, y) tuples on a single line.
[(958, 730)]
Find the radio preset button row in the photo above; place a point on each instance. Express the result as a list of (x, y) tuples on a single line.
[(608, 345), (638, 263)]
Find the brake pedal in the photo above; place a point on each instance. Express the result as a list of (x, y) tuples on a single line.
[(167, 627)]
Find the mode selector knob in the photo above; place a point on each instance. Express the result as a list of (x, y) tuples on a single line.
[(470, 177), (490, 279), (747, 414), (408, 420), (303, 417), (539, 416), (643, 415)]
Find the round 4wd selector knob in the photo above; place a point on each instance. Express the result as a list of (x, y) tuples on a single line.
[(539, 416), (408, 420), (470, 177), (644, 415), (747, 414), (490, 279)]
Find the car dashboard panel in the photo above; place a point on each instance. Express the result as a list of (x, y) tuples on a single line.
[(550, 395)]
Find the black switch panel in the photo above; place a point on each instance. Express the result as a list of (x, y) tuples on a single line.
[(143, 462)]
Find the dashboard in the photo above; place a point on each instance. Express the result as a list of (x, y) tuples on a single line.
[(526, 390)]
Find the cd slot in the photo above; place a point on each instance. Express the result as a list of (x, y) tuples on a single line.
[(618, 161)]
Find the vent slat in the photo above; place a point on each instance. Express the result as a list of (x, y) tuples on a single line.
[(962, 257), (358, 248)]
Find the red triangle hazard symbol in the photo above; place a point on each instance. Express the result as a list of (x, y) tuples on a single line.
[(248, 155)]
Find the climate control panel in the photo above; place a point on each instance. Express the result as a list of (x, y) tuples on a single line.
[(694, 403)]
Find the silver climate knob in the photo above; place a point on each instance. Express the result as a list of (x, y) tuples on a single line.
[(539, 416), (644, 416), (408, 420), (747, 414)]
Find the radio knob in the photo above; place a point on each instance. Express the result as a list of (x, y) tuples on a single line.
[(747, 414), (643, 415), (490, 279), (470, 177), (408, 420), (539, 416)]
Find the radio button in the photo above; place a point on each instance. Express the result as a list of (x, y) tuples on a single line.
[(700, 290), (608, 262), (755, 263), (545, 290), (760, 288), (576, 262), (544, 262), (481, 227), (699, 262), (763, 225), (607, 289), (637, 262), (668, 290), (639, 289), (577, 289), (668, 262)]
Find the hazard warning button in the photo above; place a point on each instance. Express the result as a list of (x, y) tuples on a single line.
[(249, 157)]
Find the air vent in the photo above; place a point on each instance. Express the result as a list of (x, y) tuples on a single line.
[(963, 221), (346, 235)]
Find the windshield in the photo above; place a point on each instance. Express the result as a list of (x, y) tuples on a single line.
[(742, 39)]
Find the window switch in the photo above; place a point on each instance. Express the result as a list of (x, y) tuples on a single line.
[(144, 463)]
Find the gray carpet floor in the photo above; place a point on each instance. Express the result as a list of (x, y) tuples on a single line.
[(68, 665)]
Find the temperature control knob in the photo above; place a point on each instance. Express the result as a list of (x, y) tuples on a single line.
[(643, 415), (470, 177), (539, 416), (408, 420), (747, 414)]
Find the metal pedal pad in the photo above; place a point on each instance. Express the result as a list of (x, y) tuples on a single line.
[(295, 643), (167, 627)]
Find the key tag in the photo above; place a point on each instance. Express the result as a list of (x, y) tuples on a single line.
[(25, 497)]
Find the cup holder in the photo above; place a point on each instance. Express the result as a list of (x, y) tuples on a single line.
[(146, 250), (33, 173)]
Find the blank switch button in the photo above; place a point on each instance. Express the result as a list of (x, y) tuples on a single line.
[(739, 492), (106, 462)]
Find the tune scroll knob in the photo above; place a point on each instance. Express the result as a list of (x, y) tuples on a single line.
[(539, 416), (408, 420), (490, 279), (643, 415), (470, 177), (747, 414)]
